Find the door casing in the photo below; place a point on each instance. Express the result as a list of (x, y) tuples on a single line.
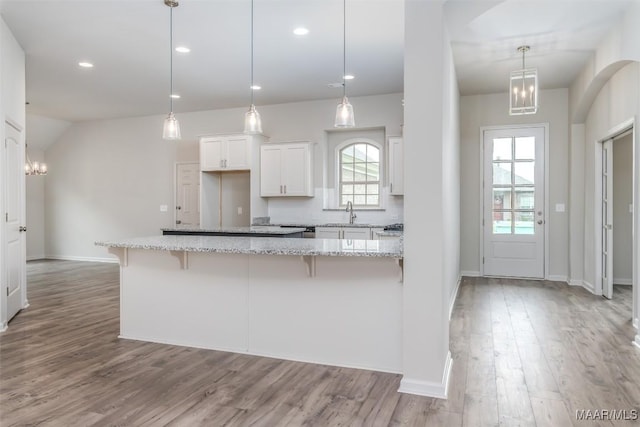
[(483, 129)]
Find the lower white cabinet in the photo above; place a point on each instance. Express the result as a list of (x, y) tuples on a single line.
[(353, 233)]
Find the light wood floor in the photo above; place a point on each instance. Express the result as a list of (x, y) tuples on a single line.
[(526, 353)]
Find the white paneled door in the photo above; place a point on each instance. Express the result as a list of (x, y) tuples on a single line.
[(14, 218), (513, 213), (188, 194)]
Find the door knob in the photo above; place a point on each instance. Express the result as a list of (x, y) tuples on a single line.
[(178, 222), (540, 222), (178, 207), (21, 229)]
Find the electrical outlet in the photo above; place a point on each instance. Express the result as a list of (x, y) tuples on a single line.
[(239, 210), (164, 208)]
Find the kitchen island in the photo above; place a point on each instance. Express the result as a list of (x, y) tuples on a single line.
[(329, 301)]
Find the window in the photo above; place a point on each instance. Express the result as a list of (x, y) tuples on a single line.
[(359, 167)]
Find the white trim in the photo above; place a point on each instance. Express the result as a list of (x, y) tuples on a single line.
[(337, 160), (35, 257), (545, 126), (582, 283), (558, 278), (82, 258), (470, 273), (429, 388), (635, 323), (452, 302), (635, 342), (3, 327), (619, 281)]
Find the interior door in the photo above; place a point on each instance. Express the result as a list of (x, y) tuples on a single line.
[(187, 194), (513, 213), (607, 219), (14, 217)]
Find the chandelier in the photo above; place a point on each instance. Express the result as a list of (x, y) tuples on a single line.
[(523, 89), (34, 168)]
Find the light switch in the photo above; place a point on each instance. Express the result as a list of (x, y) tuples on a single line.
[(239, 210), (559, 207), (164, 208)]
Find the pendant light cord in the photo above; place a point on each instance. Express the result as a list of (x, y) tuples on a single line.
[(171, 59), (252, 89), (344, 48)]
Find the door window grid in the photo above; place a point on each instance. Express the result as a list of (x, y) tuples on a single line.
[(513, 185)]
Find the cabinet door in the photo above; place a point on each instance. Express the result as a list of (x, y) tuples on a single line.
[(211, 154), (356, 233), (296, 177), (328, 232), (270, 168), (396, 166), (374, 235), (237, 153)]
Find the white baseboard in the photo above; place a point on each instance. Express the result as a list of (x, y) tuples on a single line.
[(82, 258), (577, 282), (454, 296), (636, 341), (35, 257), (429, 388), (558, 278), (618, 281), (635, 323), (3, 327), (469, 273)]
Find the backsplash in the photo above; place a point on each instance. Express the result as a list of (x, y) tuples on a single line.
[(312, 210)]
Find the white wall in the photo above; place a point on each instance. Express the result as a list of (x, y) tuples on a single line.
[(430, 171), (108, 178), (622, 218), (35, 208), (492, 110)]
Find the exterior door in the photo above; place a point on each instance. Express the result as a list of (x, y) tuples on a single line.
[(14, 218), (187, 194), (513, 213), (607, 219)]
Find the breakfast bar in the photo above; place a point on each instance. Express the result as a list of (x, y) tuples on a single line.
[(329, 301)]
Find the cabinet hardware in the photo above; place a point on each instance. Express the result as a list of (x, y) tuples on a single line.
[(221, 163), (391, 191), (280, 189), (285, 189)]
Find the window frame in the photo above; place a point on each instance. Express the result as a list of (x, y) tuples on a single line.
[(338, 171)]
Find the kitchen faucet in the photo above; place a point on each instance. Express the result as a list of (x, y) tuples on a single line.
[(349, 209)]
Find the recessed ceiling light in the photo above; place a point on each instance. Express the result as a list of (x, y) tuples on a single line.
[(256, 87), (85, 64), (183, 49), (175, 96), (301, 31), (349, 77)]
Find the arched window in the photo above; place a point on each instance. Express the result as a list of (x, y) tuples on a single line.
[(359, 167)]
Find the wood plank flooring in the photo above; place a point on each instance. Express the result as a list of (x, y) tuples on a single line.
[(526, 353)]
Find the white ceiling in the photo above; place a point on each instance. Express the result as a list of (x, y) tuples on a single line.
[(128, 42)]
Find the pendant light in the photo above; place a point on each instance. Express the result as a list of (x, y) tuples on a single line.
[(523, 89), (252, 122), (344, 112), (171, 128)]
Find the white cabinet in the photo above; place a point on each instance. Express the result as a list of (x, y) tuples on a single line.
[(328, 232), (286, 170), (352, 233), (396, 166), (374, 235), (225, 152)]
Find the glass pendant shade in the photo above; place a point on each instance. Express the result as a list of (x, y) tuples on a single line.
[(344, 114), (171, 128), (252, 122)]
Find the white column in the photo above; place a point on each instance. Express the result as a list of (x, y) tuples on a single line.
[(576, 204), (426, 357)]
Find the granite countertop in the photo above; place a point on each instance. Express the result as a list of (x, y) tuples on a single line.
[(258, 229), (263, 245), (330, 224)]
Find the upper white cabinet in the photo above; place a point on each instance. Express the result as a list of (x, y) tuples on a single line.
[(225, 152), (286, 170), (396, 166)]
